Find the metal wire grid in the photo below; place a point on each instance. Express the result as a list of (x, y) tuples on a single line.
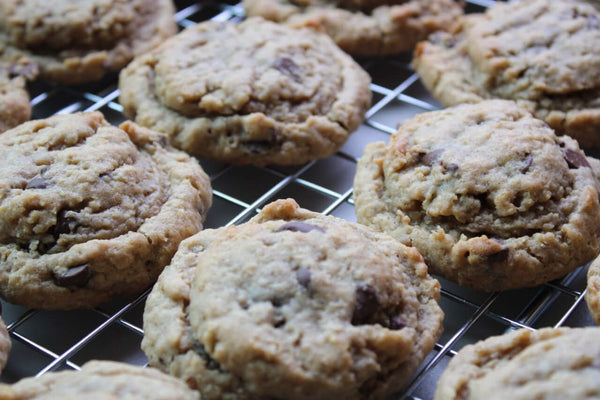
[(46, 341)]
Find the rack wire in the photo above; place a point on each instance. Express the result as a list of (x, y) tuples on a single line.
[(47, 341)]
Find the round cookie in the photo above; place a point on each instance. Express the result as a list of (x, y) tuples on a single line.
[(551, 363), (248, 93), (364, 27), (592, 294), (80, 41), (5, 343), (490, 196), (89, 210), (293, 305), (100, 380), (542, 54), (14, 99)]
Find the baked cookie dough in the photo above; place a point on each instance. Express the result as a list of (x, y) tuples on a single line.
[(292, 305), (490, 196), (14, 99), (100, 380), (551, 363), (248, 93), (80, 41), (542, 54), (592, 295), (364, 27), (5, 343), (89, 210)]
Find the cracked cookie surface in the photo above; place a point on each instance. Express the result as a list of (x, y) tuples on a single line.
[(544, 55), (490, 196), (75, 42), (89, 210), (253, 92), (550, 363), (100, 380), (364, 27), (292, 305)]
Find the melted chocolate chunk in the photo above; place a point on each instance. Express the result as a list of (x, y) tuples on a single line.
[(264, 146), (288, 67), (430, 158), (527, 163), (38, 182), (397, 323), (303, 277), (366, 304), (575, 159), (500, 256), (162, 141), (64, 224), (210, 362), (76, 276), (299, 226)]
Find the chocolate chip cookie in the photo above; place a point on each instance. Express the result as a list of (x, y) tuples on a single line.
[(89, 210), (80, 41), (248, 93), (5, 344), (101, 380), (592, 295), (490, 196), (292, 305), (364, 27), (561, 363), (542, 54), (14, 99)]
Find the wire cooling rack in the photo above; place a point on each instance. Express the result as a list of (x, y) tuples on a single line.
[(46, 341)]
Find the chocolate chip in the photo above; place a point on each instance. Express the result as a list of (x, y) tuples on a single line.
[(365, 305), (303, 277), (299, 226), (527, 163), (452, 167), (38, 182), (288, 67), (397, 323), (76, 276), (575, 159), (264, 146), (27, 70), (430, 158), (201, 351), (162, 141), (498, 257), (64, 224)]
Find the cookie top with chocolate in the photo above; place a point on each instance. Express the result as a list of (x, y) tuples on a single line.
[(542, 54), (364, 27), (293, 305), (89, 210), (248, 93), (80, 41), (551, 363), (100, 380), (489, 194)]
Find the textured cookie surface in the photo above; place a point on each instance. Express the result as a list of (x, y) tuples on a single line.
[(100, 380), (292, 305), (491, 197), (549, 363), (14, 99), (592, 295), (5, 344), (543, 54), (364, 27), (254, 92), (80, 41), (89, 210)]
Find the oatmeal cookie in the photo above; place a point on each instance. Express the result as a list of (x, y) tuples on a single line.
[(490, 196), (14, 99), (551, 363), (100, 380), (364, 27), (80, 41), (254, 92), (89, 210), (293, 305), (542, 54)]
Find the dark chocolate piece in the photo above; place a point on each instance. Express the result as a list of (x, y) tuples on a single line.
[(575, 159), (303, 277), (288, 67), (299, 226), (76, 276), (366, 304)]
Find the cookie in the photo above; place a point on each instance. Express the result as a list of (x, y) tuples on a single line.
[(542, 54), (592, 294), (551, 363), (14, 99), (5, 344), (292, 305), (364, 27), (75, 42), (89, 210), (248, 93), (100, 380), (490, 196)]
